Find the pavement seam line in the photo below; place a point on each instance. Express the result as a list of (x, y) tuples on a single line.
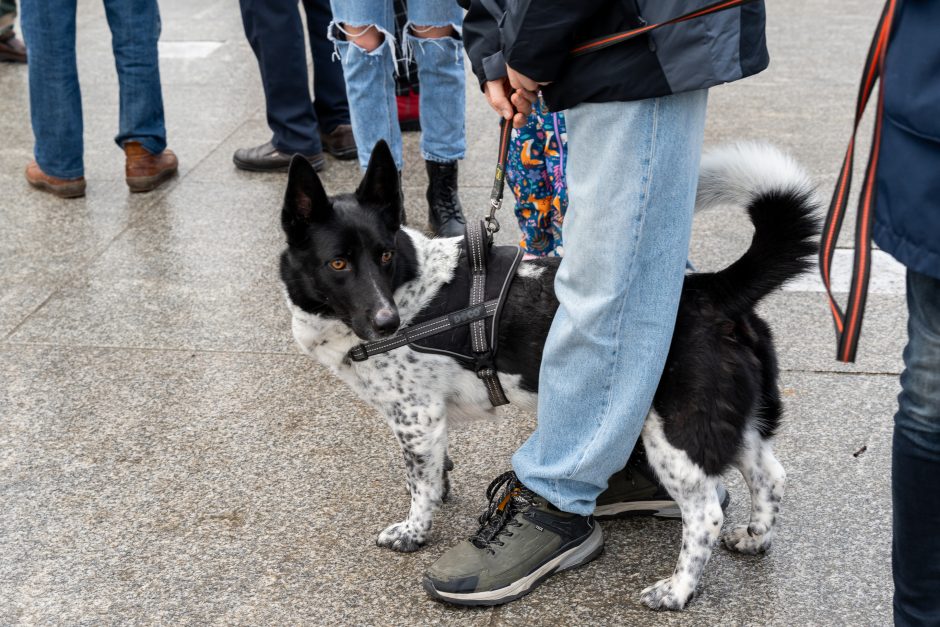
[(5, 344)]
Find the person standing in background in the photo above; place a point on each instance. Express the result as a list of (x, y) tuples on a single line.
[(364, 34), (55, 100), (11, 48), (275, 32), (907, 226), (407, 89)]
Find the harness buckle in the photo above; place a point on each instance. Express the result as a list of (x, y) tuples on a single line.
[(492, 225), (485, 372), (358, 353)]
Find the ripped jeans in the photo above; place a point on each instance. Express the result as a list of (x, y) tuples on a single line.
[(370, 84)]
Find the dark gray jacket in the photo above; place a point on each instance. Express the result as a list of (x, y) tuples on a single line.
[(535, 37)]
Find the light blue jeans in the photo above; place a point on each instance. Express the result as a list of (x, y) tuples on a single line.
[(632, 174), (370, 84), (55, 100)]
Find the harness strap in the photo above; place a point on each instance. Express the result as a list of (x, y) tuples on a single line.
[(477, 245), (475, 254), (407, 335), (848, 324)]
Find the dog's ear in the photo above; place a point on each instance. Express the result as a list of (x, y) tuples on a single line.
[(305, 201), (381, 185)]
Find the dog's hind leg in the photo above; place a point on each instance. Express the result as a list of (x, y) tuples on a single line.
[(697, 496), (421, 430), (766, 479)]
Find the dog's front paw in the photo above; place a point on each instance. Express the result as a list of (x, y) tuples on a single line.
[(665, 594), (749, 539), (401, 537)]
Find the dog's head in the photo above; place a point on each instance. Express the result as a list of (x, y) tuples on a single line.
[(342, 258)]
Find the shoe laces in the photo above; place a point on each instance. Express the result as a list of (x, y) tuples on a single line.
[(506, 497), (444, 196)]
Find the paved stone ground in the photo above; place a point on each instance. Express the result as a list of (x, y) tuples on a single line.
[(166, 456)]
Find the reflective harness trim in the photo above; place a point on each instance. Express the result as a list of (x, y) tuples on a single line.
[(407, 335), (483, 350)]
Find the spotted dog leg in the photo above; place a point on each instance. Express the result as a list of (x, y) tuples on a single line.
[(766, 479), (422, 434), (697, 497)]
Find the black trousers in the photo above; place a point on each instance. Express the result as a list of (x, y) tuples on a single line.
[(275, 32)]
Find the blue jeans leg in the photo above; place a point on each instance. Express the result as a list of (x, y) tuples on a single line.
[(442, 79), (370, 83), (55, 101), (915, 474), (135, 30), (632, 171)]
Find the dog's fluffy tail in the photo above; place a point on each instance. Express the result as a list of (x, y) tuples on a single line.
[(783, 206)]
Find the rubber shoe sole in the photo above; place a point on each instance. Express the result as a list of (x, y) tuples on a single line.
[(346, 154), (665, 509), (66, 190), (253, 166), (139, 184), (574, 557)]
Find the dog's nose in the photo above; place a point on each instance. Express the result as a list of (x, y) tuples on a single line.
[(385, 321)]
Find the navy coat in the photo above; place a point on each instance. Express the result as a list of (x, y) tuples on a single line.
[(907, 209)]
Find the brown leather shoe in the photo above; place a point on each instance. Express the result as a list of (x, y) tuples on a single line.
[(339, 142), (63, 188), (11, 48), (145, 172), (267, 158)]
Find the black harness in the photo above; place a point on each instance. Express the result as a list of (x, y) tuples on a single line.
[(462, 321)]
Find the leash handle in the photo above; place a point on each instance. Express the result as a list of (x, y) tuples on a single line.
[(848, 323)]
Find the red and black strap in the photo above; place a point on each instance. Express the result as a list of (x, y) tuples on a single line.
[(848, 324), (617, 38)]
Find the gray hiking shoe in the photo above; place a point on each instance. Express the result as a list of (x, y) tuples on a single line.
[(522, 540), (635, 491)]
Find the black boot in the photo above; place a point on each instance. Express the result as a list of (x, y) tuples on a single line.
[(445, 215)]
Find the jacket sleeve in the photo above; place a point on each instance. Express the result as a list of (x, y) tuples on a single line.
[(536, 35), (482, 39)]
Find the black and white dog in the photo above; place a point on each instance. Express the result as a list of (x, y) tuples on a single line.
[(353, 273)]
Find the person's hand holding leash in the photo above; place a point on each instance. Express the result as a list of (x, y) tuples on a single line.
[(512, 97)]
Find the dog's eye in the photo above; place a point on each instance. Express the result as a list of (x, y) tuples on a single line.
[(338, 264), (387, 256)]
